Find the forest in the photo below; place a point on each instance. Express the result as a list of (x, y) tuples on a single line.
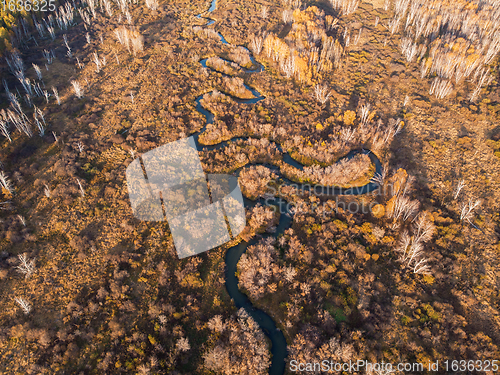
[(366, 140)]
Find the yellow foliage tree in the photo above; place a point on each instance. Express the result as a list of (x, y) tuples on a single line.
[(378, 211), (349, 117)]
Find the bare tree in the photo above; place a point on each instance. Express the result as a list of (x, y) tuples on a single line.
[(183, 344), (78, 89), (97, 62), (408, 48), (26, 266), (39, 124), (5, 182), (421, 267), (82, 191), (289, 273), (322, 93), (24, 304), (424, 68), (19, 119), (394, 23), (394, 128), (441, 88), (68, 52), (294, 4), (484, 79), (408, 185), (37, 71), (379, 178), (46, 191), (410, 209), (460, 186), (216, 324), (287, 16), (467, 210), (256, 44), (56, 95), (412, 253), (288, 66), (404, 208), (109, 11), (131, 39), (403, 245), (423, 229), (264, 11), (22, 220), (345, 7), (152, 4), (4, 126), (406, 101), (364, 112), (137, 42), (143, 369), (49, 56), (80, 146)]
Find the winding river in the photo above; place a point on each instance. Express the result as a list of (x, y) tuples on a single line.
[(265, 322)]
